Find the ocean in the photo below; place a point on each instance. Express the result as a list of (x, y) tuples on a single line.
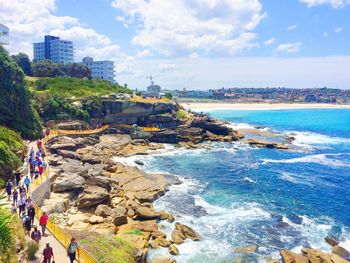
[(235, 195)]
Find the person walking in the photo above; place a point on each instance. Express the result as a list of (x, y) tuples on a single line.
[(14, 209), (21, 204), (9, 186), (18, 177), (36, 235), (43, 222), (27, 182), (23, 192), (48, 253), (27, 223), (15, 196), (31, 214), (72, 250)]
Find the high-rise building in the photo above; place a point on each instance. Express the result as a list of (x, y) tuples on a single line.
[(54, 49), (100, 69), (4, 33)]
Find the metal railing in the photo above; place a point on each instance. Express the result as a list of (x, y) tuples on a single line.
[(61, 236)]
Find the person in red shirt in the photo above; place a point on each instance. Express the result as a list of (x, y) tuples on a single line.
[(43, 222), (41, 169), (48, 253), (39, 143)]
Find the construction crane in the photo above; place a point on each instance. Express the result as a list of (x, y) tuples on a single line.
[(150, 77)]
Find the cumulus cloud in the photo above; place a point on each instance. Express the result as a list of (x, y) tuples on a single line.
[(289, 47), (291, 27), (338, 30), (334, 3), (30, 20), (269, 41), (183, 27)]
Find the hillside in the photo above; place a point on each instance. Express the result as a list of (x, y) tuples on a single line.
[(74, 88)]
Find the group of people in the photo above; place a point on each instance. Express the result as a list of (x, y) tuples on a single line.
[(19, 190)]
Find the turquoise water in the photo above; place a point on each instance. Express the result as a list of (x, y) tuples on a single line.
[(235, 195)]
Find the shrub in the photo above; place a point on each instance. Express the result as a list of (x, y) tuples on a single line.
[(33, 247)]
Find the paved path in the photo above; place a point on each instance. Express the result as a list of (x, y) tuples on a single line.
[(58, 249)]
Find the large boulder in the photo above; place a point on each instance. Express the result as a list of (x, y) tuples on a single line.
[(319, 256), (166, 136), (267, 144), (331, 241), (291, 257), (68, 154), (161, 259), (92, 195), (68, 182), (103, 210), (62, 146), (214, 126), (73, 125), (91, 159), (58, 203), (187, 231), (342, 252), (173, 250), (120, 219), (146, 213), (177, 237), (95, 219), (102, 181)]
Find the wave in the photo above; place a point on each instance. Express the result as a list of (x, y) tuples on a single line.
[(305, 139), (249, 180), (322, 159)]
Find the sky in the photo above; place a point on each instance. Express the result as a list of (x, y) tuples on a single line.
[(197, 44)]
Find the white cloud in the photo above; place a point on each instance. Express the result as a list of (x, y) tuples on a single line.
[(165, 67), (289, 47), (334, 3), (202, 26), (338, 30), (269, 41), (291, 27), (30, 20), (144, 54)]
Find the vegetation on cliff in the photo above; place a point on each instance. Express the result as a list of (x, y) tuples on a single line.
[(61, 98), (17, 111), (108, 248), (12, 236), (11, 147)]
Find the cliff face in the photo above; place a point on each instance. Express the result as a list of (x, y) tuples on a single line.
[(130, 112)]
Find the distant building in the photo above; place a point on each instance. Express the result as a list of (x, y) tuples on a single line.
[(4, 33), (54, 49), (100, 69)]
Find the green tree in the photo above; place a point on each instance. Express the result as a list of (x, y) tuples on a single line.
[(48, 69), (17, 111), (24, 62), (168, 95)]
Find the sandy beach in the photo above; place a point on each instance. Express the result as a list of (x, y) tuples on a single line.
[(198, 106)]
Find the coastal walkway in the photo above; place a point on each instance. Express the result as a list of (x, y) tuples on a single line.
[(57, 237)]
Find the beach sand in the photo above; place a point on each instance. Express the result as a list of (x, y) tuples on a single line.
[(202, 106)]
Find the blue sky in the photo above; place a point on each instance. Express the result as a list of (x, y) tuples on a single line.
[(197, 44)]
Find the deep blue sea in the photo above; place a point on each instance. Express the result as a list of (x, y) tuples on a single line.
[(235, 195)]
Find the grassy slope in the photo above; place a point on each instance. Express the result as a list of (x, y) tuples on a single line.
[(74, 87)]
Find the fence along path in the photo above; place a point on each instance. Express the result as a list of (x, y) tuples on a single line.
[(61, 236)]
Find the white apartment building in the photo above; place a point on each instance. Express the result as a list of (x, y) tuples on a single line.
[(100, 69)]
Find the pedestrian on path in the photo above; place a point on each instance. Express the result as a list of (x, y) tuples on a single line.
[(72, 250), (27, 223), (29, 202), (18, 177), (14, 209), (36, 235), (15, 196), (43, 222), (27, 182), (48, 253), (31, 214), (23, 192), (9, 186), (21, 205)]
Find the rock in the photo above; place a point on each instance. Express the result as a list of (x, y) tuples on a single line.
[(162, 242), (137, 241), (102, 181), (166, 136), (145, 226), (173, 250), (246, 249), (146, 213), (139, 162), (120, 210), (187, 231), (146, 196), (161, 259), (91, 159), (95, 219), (267, 144), (214, 126), (62, 146), (120, 219), (171, 219), (177, 237), (163, 215), (68, 182), (316, 256), (103, 211), (291, 257), (342, 252), (73, 125), (92, 195), (130, 213), (68, 154), (332, 242), (58, 203), (158, 233), (153, 244)]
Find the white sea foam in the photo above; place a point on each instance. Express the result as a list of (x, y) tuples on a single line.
[(322, 159), (249, 180), (305, 139), (239, 126)]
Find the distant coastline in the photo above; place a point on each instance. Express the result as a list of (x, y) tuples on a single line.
[(205, 106)]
